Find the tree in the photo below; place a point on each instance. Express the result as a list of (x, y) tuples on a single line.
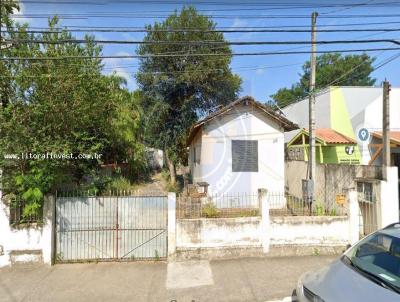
[(178, 90), (61, 107), (355, 69)]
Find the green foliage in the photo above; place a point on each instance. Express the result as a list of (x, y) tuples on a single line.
[(120, 184), (177, 90), (319, 208), (63, 107), (209, 210), (352, 70), (156, 255), (172, 187), (333, 212), (165, 174)]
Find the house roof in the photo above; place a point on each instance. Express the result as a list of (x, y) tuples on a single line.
[(394, 136), (247, 100), (325, 136)]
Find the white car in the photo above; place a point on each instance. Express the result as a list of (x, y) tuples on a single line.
[(367, 272)]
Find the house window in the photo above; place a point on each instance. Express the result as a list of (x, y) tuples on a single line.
[(244, 156), (365, 191)]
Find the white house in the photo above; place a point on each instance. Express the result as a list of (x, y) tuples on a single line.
[(239, 148)]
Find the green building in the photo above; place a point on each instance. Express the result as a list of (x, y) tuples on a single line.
[(332, 147)]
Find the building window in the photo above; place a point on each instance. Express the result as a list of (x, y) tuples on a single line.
[(365, 191), (244, 156)]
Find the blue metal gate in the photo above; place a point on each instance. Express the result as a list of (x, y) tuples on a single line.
[(111, 228)]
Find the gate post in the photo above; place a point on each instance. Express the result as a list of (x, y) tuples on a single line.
[(171, 223), (48, 235), (265, 223), (354, 216)]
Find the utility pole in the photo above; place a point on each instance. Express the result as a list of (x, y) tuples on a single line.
[(386, 128), (311, 107)]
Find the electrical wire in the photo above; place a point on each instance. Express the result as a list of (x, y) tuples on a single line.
[(142, 30), (146, 56), (200, 42)]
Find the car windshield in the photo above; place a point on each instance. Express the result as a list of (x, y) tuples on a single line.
[(378, 256)]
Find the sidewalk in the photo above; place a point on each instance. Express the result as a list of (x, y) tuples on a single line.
[(251, 279)]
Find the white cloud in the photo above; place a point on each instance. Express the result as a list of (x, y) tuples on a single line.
[(260, 71), (114, 65), (18, 15), (239, 23)]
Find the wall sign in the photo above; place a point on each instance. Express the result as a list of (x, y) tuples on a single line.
[(349, 150)]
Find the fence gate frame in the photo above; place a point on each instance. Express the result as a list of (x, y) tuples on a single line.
[(110, 228)]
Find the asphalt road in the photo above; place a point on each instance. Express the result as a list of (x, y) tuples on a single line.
[(250, 279)]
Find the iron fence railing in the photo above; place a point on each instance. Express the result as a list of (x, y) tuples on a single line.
[(250, 204), (368, 219), (19, 214), (218, 206), (288, 205), (104, 228)]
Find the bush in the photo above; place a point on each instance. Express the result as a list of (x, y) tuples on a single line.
[(209, 210), (119, 184), (319, 209), (172, 187)]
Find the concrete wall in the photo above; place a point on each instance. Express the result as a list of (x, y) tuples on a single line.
[(218, 232), (310, 230), (389, 198), (25, 244), (213, 162), (331, 179)]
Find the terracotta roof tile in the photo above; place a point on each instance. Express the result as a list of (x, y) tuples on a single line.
[(331, 136), (394, 136)]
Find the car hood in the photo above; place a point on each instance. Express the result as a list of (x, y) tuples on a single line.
[(338, 282)]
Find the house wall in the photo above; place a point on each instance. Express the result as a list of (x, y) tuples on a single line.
[(25, 244), (347, 110), (334, 154), (310, 230), (331, 179), (215, 167), (218, 233)]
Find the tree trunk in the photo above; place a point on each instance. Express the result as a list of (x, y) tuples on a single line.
[(171, 168)]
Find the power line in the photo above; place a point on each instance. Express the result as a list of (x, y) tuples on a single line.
[(214, 3), (144, 16), (193, 55), (92, 27), (343, 77), (143, 30), (244, 68), (200, 42)]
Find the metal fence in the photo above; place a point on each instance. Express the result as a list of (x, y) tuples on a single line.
[(368, 218), (218, 206), (281, 204), (110, 228), (19, 214), (249, 204)]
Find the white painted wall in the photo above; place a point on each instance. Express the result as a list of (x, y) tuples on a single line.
[(218, 232), (310, 230), (213, 147), (389, 198), (24, 239)]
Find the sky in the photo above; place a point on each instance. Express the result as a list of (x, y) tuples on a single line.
[(261, 75)]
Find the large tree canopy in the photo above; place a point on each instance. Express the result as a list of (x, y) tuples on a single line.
[(62, 107), (177, 90), (350, 70)]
